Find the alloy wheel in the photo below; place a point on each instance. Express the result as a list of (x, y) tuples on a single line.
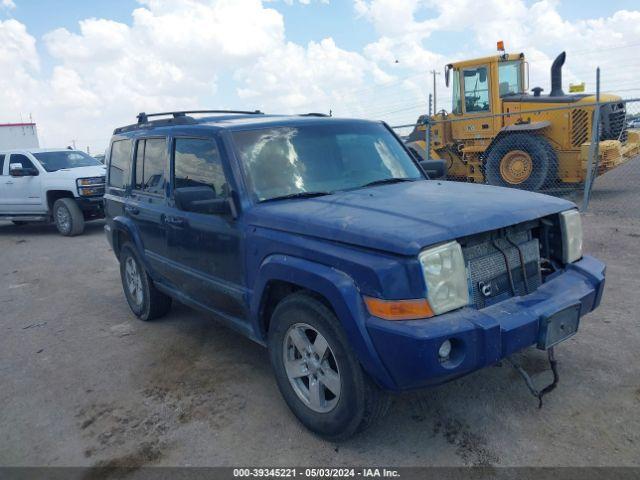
[(311, 367)]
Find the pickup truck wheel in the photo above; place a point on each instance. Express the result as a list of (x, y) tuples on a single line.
[(68, 217), (317, 373), (144, 299)]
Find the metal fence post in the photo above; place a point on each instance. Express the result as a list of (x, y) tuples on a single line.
[(427, 138), (592, 164)]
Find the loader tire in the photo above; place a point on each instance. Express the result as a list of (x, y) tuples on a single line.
[(521, 160)]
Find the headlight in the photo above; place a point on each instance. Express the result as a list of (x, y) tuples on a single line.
[(92, 186), (84, 182), (445, 276), (571, 228)]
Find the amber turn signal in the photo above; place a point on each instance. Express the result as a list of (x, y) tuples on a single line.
[(398, 309)]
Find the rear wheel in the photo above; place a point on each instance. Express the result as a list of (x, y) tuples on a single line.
[(144, 299), (68, 217), (317, 373), (521, 160)]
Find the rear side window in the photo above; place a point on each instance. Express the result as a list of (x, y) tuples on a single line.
[(149, 166), (197, 164), (120, 163), (1, 164)]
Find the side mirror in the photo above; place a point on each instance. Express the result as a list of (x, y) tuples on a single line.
[(16, 170), (435, 169), (201, 200)]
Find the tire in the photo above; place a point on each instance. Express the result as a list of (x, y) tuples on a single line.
[(68, 217), (358, 403), (144, 299), (521, 160)]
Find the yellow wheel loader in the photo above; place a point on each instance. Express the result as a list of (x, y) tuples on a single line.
[(499, 134)]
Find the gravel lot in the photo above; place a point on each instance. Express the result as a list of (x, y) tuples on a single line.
[(82, 382)]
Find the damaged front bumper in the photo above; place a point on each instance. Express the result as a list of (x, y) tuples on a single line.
[(409, 349)]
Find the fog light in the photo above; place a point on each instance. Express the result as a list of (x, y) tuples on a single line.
[(445, 350)]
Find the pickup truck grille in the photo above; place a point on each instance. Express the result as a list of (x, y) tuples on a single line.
[(488, 269)]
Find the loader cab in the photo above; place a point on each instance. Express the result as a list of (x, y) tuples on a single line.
[(478, 87)]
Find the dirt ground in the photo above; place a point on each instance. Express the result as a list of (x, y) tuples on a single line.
[(82, 382)]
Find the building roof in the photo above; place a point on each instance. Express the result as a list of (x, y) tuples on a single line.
[(17, 124)]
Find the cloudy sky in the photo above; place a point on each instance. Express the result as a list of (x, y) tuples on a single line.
[(81, 68)]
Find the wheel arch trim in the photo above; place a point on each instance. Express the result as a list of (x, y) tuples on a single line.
[(126, 226), (338, 289)]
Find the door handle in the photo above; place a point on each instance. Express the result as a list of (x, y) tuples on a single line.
[(9, 183), (175, 221), (131, 209)]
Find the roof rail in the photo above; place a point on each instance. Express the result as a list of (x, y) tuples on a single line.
[(144, 117), (313, 114)]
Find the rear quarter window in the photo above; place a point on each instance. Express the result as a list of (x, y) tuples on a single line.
[(120, 164)]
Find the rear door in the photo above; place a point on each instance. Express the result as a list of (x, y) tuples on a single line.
[(22, 195), (145, 206), (203, 246)]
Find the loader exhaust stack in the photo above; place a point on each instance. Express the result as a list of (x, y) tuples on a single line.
[(556, 75)]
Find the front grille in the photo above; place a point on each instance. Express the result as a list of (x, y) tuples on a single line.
[(487, 269), (612, 120)]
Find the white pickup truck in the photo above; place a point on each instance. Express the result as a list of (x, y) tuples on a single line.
[(43, 185)]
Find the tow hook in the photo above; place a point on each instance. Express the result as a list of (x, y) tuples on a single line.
[(539, 393)]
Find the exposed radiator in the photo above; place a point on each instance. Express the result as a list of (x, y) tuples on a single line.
[(487, 269)]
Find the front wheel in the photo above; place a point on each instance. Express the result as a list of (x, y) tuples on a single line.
[(144, 299), (317, 373), (68, 217), (521, 160)]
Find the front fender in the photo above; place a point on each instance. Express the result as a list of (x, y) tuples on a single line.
[(339, 290)]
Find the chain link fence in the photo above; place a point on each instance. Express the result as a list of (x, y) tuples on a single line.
[(588, 153)]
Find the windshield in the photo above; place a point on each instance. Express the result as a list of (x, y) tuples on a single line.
[(52, 161), (510, 75), (286, 161)]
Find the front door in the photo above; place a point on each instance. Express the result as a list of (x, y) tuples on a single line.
[(21, 195), (203, 245), (475, 104), (145, 206)]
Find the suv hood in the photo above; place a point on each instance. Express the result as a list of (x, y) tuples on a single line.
[(404, 218), (79, 172)]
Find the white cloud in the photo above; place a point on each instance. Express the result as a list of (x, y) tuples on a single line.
[(235, 54), (407, 28), (8, 4)]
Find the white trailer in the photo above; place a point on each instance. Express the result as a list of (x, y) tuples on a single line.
[(18, 135)]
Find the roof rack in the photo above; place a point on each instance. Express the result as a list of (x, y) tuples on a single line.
[(313, 114), (144, 117)]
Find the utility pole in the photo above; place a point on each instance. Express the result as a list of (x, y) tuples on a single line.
[(434, 73)]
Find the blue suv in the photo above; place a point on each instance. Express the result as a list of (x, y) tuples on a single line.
[(324, 240)]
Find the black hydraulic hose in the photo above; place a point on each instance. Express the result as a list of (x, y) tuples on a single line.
[(506, 262), (522, 264)]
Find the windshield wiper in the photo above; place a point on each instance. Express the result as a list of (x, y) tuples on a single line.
[(385, 181), (297, 195)]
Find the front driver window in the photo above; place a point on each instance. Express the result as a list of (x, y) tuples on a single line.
[(198, 175), (476, 90)]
